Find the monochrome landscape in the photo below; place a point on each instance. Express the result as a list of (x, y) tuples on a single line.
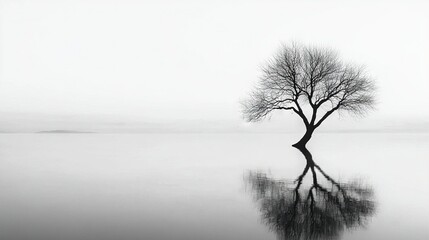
[(160, 120)]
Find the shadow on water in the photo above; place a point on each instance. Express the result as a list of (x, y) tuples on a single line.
[(322, 209)]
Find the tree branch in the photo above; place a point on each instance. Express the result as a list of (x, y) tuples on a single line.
[(326, 115), (301, 113)]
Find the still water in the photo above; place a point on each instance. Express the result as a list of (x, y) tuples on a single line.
[(211, 186)]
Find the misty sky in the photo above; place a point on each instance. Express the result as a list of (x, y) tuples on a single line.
[(197, 59)]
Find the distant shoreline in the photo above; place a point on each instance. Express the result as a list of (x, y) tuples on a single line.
[(63, 131)]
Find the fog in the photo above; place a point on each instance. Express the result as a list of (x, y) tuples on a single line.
[(162, 61), (121, 119)]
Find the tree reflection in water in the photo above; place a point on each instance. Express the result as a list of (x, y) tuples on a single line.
[(318, 211)]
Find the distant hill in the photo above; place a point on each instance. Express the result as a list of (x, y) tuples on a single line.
[(62, 131), (280, 123)]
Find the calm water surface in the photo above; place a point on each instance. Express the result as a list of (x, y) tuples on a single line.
[(193, 186)]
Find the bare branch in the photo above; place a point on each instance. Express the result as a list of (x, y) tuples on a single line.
[(299, 74)]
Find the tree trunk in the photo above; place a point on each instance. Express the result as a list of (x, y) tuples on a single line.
[(307, 136)]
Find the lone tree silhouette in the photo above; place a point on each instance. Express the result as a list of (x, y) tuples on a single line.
[(299, 75)]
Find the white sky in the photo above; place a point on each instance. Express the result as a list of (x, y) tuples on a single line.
[(196, 60)]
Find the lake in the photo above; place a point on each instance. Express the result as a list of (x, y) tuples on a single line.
[(195, 186)]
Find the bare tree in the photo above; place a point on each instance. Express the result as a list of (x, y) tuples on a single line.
[(300, 75)]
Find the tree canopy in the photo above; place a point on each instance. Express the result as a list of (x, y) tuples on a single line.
[(299, 75)]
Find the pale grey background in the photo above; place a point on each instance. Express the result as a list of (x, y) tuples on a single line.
[(166, 67), (170, 66)]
